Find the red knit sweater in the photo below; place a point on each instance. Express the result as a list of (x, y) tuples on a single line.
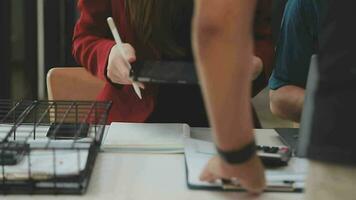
[(93, 41)]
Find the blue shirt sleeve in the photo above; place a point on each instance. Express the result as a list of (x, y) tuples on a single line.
[(296, 45)]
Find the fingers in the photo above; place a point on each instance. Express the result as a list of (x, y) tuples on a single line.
[(118, 74), (250, 174), (254, 188), (119, 80), (209, 174), (254, 179), (140, 85), (257, 67), (130, 54), (118, 71)]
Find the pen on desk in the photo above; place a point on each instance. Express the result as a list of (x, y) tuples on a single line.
[(118, 41)]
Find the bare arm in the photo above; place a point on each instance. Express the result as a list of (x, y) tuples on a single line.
[(287, 102), (223, 47)]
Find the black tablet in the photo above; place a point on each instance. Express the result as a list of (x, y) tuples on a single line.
[(168, 72)]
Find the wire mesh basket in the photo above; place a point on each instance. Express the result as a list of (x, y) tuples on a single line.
[(49, 147)]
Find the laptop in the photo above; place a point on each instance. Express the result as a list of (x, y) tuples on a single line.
[(298, 139)]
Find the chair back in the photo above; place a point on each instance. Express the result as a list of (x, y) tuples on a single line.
[(73, 83)]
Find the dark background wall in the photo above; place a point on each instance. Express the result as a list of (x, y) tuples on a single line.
[(60, 17), (18, 43), (29, 64), (5, 71)]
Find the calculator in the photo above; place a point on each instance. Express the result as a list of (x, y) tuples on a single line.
[(274, 156)]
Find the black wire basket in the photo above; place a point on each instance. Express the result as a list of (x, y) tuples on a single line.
[(49, 147)]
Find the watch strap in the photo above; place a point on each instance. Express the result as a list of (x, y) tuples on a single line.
[(239, 156)]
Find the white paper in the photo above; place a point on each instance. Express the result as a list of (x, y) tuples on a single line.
[(137, 137), (26, 132), (42, 162), (49, 161), (268, 137), (46, 160), (23, 131), (196, 160), (198, 153)]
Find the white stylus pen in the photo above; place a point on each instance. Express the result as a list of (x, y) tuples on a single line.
[(118, 41)]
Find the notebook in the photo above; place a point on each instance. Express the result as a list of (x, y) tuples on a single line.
[(145, 138), (284, 179)]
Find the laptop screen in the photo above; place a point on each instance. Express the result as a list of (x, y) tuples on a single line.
[(308, 109)]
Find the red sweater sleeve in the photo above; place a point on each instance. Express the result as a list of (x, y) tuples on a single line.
[(92, 41)]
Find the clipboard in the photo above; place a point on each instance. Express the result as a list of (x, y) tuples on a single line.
[(284, 179)]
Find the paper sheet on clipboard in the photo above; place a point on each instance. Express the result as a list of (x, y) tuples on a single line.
[(285, 179)]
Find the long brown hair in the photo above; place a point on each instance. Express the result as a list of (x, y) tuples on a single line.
[(163, 25)]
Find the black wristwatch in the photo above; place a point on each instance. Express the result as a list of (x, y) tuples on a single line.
[(238, 156)]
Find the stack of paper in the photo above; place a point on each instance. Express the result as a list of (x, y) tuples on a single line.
[(45, 161), (146, 138), (198, 153), (23, 132)]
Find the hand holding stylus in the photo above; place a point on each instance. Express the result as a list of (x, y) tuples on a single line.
[(120, 57)]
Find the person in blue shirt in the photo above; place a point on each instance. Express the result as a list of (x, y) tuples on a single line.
[(297, 42)]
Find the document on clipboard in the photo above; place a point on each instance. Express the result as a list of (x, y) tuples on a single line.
[(290, 178)]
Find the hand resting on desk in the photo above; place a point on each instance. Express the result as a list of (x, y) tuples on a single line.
[(250, 180)]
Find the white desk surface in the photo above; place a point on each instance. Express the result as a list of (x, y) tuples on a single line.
[(145, 176)]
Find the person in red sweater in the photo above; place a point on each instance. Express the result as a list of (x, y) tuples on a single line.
[(151, 30)]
